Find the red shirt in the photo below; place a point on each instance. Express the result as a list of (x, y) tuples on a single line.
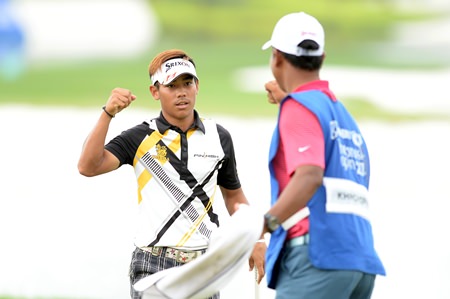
[(301, 143)]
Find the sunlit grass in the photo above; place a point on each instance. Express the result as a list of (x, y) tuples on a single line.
[(89, 84)]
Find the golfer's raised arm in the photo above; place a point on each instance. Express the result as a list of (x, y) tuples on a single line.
[(94, 159)]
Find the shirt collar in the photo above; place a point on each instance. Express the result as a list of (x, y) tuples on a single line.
[(321, 85), (163, 125)]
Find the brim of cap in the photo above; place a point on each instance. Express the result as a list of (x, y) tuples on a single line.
[(174, 78), (267, 45)]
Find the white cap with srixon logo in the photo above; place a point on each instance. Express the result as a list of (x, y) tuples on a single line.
[(171, 69), (294, 28)]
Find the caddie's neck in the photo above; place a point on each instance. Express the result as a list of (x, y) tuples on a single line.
[(293, 77), (288, 76)]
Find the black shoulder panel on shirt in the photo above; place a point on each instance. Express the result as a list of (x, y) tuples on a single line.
[(228, 176), (125, 145)]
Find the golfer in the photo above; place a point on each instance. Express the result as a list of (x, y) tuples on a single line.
[(179, 160)]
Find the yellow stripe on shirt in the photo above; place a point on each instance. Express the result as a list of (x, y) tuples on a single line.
[(196, 224)]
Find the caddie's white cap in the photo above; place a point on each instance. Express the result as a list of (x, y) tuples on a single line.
[(294, 28), (171, 69)]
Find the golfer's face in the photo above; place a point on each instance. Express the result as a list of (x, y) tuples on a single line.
[(178, 97)]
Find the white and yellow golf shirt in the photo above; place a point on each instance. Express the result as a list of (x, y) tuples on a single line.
[(177, 176)]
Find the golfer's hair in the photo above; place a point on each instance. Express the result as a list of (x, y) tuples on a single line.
[(162, 57), (309, 63)]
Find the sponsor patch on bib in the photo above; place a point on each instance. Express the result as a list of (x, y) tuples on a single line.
[(345, 196)]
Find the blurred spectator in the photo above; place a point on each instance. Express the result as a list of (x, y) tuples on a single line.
[(12, 42)]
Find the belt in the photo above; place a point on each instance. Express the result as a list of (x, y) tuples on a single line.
[(181, 256), (298, 241)]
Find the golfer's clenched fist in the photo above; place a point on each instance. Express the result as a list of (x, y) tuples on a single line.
[(119, 99)]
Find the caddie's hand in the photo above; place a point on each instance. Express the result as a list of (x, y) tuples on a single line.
[(119, 99), (274, 93), (257, 260)]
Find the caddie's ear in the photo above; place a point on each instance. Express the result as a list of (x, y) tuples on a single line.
[(277, 57), (154, 90)]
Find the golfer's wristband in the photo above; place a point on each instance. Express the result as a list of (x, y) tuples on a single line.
[(107, 113), (261, 241)]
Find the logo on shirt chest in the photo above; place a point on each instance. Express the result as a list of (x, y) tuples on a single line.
[(205, 155), (161, 154)]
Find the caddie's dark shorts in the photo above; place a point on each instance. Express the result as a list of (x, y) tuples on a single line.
[(144, 263)]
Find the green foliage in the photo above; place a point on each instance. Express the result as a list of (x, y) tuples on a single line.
[(344, 21)]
